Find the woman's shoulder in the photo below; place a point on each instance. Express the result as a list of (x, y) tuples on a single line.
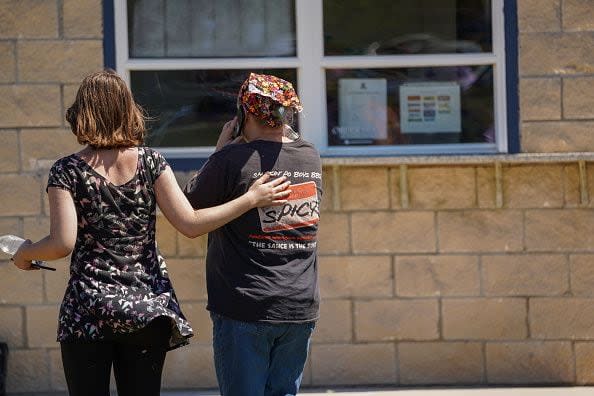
[(148, 152), (152, 161), (68, 161)]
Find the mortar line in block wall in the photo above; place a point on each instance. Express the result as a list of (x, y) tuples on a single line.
[(450, 297), (21, 226), (19, 151), (350, 233), (390, 184), (404, 186), (44, 287), (336, 187), (540, 340), (481, 275), (484, 361), (56, 39), (574, 361), (60, 5), (353, 320), (48, 363), (397, 361), (569, 286), (528, 329), (561, 90), (524, 246), (498, 185), (430, 341), (393, 273), (436, 231), (42, 194), (24, 327), (62, 109), (583, 171), (476, 187), (564, 185), (15, 53), (44, 83), (25, 332), (561, 26), (440, 336), (449, 253)]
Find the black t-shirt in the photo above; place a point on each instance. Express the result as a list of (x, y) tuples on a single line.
[(263, 265)]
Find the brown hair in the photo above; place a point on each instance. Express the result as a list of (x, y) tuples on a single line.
[(104, 114)]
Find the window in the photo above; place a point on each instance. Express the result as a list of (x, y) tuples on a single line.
[(376, 77)]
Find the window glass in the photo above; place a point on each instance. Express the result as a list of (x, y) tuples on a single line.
[(388, 27), (187, 108), (206, 28), (416, 105)]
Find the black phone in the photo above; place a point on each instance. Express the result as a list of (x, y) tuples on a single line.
[(35, 264), (240, 122)]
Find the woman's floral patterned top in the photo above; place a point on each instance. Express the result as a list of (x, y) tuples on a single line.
[(118, 280)]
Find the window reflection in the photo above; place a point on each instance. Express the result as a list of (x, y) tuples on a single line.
[(206, 28), (189, 107), (388, 27), (443, 105)]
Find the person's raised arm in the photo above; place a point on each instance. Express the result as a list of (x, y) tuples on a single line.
[(193, 223), (62, 237)]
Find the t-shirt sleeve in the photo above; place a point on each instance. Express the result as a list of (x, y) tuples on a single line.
[(60, 177), (208, 186), (156, 163)]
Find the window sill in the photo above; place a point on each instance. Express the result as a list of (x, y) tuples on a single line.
[(529, 158)]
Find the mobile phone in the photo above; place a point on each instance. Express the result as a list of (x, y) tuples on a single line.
[(240, 122), (37, 264)]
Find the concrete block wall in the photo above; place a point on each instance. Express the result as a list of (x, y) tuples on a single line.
[(456, 275), (46, 47), (430, 274), (556, 74)]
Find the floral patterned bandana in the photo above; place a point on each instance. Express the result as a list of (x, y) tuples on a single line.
[(261, 94)]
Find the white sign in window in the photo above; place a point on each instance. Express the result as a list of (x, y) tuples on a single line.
[(362, 106), (430, 108)]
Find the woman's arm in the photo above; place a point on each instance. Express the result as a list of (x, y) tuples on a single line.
[(193, 223), (60, 242)]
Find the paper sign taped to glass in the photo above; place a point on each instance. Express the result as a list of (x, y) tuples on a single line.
[(362, 108), (430, 107)]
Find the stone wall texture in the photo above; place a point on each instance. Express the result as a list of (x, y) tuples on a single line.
[(430, 274)]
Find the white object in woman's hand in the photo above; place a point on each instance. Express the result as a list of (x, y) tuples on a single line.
[(275, 192)]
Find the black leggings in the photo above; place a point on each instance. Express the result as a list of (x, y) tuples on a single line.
[(137, 363)]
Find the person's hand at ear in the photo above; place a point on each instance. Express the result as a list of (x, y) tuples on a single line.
[(226, 136)]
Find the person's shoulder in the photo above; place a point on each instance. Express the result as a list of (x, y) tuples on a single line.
[(233, 148), (149, 152), (152, 157), (69, 161), (65, 172), (303, 144), (230, 152)]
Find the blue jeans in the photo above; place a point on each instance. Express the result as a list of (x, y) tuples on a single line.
[(259, 359)]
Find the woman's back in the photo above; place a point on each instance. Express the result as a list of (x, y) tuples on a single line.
[(118, 166), (115, 253)]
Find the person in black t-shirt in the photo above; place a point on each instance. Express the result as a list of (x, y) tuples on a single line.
[(261, 269)]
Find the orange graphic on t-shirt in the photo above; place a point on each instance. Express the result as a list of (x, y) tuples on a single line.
[(301, 210)]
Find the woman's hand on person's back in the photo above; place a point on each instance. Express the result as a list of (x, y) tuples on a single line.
[(269, 193), (193, 223)]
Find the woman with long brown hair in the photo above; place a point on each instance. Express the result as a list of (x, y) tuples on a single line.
[(119, 306)]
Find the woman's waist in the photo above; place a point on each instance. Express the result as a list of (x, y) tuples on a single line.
[(114, 245)]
